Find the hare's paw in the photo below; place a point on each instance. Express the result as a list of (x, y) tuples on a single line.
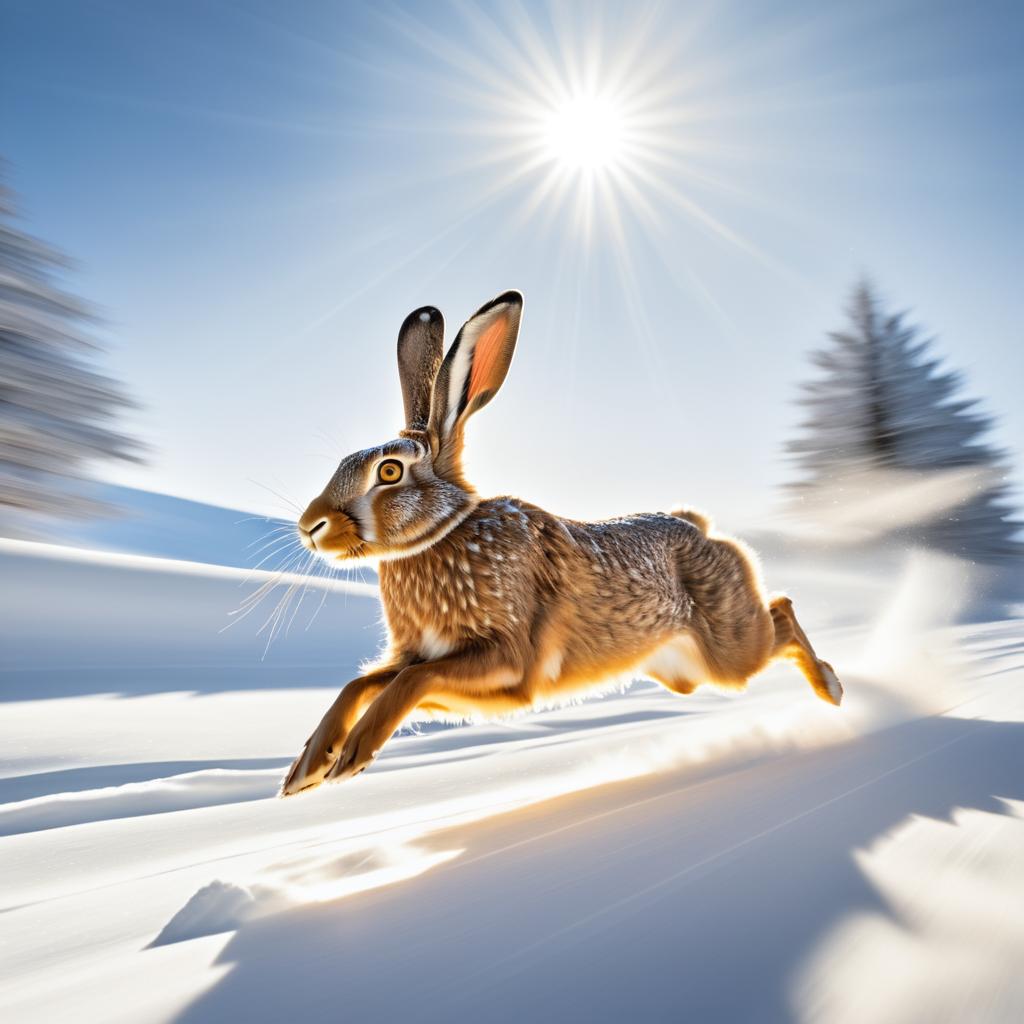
[(318, 756), (356, 756)]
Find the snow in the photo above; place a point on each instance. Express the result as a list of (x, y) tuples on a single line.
[(760, 856), (164, 526)]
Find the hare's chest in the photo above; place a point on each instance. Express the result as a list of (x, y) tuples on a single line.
[(433, 610)]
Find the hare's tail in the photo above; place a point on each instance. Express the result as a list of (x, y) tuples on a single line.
[(701, 521)]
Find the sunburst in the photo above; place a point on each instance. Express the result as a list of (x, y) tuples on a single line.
[(605, 132), (579, 116)]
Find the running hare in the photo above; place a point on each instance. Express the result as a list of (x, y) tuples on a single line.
[(494, 605)]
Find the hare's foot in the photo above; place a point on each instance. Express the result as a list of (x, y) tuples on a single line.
[(357, 754), (830, 683), (379, 722), (318, 756), (791, 642), (820, 675), (322, 749), (427, 683)]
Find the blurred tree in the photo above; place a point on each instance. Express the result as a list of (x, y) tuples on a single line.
[(890, 448), (56, 412)]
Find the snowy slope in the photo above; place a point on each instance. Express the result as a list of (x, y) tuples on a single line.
[(756, 857), (79, 622), (144, 522)]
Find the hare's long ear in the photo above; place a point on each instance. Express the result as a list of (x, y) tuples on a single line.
[(420, 347), (472, 372)]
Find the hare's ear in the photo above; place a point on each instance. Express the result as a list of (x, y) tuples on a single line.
[(474, 367), (420, 347)]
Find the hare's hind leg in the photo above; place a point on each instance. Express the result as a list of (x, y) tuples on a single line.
[(791, 642)]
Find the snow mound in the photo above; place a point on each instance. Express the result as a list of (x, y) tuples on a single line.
[(217, 907)]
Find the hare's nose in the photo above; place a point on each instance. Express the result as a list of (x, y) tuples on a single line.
[(308, 533), (316, 518)]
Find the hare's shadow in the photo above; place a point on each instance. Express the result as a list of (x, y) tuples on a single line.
[(698, 902)]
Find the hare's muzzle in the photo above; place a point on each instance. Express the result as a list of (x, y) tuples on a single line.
[(327, 530)]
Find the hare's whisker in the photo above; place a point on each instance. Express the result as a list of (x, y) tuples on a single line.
[(284, 567), (272, 617), (254, 598), (277, 494), (279, 616), (328, 438), (277, 543), (305, 586), (326, 574), (280, 544), (271, 533)]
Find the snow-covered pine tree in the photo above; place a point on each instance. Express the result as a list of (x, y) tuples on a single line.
[(890, 448), (57, 414)]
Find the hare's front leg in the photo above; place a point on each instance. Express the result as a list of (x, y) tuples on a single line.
[(477, 677), (323, 747)]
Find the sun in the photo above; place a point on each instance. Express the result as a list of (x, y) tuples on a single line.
[(586, 133), (597, 128)]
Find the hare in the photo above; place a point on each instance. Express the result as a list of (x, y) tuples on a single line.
[(494, 605)]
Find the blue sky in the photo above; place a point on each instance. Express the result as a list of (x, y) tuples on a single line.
[(257, 193)]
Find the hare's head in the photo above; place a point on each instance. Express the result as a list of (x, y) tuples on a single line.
[(401, 496)]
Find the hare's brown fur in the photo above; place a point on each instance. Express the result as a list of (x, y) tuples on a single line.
[(495, 605)]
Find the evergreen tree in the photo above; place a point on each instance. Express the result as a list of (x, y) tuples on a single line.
[(885, 420), (56, 412)]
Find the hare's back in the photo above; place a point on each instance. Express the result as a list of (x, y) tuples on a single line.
[(626, 576)]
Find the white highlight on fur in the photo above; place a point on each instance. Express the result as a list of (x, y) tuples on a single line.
[(679, 659), (835, 689), (431, 539), (363, 508), (432, 645), (551, 667)]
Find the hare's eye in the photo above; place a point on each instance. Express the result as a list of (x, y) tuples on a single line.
[(389, 471)]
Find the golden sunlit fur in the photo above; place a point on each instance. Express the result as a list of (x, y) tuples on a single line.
[(495, 605)]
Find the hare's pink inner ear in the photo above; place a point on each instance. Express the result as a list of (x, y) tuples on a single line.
[(475, 365), (489, 365)]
